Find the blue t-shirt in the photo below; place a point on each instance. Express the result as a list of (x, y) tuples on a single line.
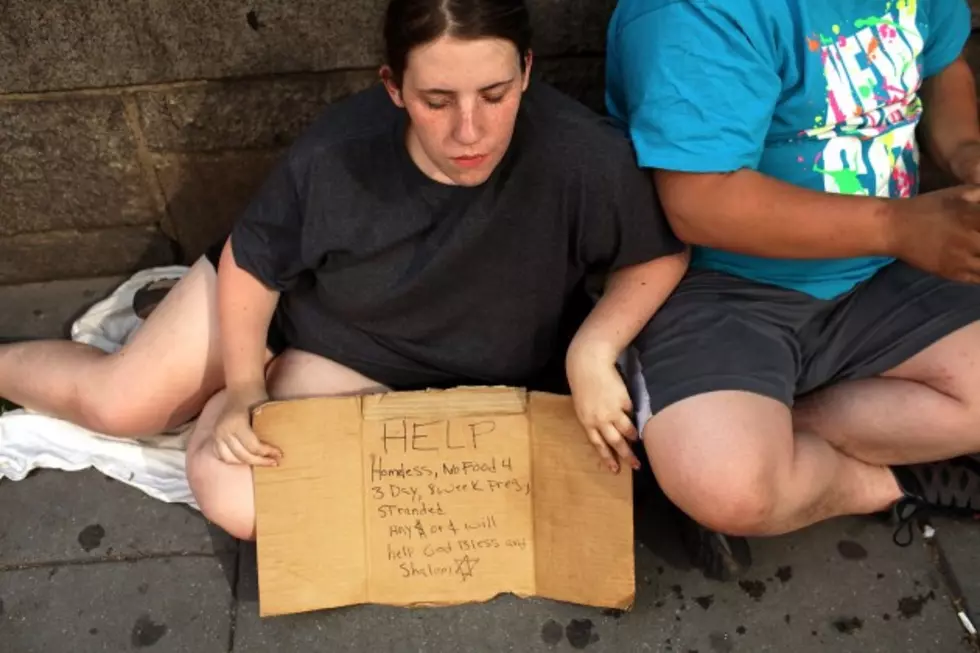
[(823, 95)]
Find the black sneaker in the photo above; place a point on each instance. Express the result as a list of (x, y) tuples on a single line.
[(719, 557), (149, 296), (950, 487)]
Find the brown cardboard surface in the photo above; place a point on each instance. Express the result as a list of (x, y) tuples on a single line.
[(437, 498)]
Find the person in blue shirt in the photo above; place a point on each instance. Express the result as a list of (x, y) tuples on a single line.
[(822, 355)]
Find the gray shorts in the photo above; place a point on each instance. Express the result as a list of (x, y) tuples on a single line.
[(721, 332)]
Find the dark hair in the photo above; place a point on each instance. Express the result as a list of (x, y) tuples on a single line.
[(411, 23)]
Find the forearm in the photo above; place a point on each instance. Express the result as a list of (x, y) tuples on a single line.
[(750, 213), (245, 309), (631, 297), (950, 120)]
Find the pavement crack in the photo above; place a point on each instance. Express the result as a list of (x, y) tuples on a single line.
[(960, 605), (105, 559), (233, 608)]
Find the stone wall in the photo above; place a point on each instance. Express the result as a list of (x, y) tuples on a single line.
[(132, 133)]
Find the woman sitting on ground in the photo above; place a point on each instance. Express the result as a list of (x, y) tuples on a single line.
[(431, 231)]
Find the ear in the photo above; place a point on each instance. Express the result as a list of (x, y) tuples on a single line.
[(388, 79), (528, 60)]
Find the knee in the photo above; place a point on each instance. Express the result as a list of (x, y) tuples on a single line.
[(222, 491), (735, 506), (118, 405), (745, 508), (113, 415), (737, 501)]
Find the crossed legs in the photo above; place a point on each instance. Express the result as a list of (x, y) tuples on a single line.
[(744, 464)]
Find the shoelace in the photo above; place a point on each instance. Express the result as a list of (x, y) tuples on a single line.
[(906, 509)]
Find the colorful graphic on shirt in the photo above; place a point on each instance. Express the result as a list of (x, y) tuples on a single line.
[(820, 94), (873, 107)]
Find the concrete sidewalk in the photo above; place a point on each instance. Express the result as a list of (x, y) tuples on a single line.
[(88, 564)]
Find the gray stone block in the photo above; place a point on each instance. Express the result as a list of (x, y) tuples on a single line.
[(69, 164), (71, 254), (48, 46), (55, 517), (95, 43), (841, 586), (170, 605), (242, 114), (207, 193)]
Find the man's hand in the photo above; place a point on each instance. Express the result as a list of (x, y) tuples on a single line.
[(939, 232), (234, 441), (603, 406), (965, 162)]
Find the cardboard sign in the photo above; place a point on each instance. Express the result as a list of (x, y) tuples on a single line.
[(438, 498)]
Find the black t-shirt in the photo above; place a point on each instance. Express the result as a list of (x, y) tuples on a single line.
[(415, 283)]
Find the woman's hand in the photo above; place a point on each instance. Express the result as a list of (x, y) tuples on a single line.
[(234, 441), (603, 406), (632, 295)]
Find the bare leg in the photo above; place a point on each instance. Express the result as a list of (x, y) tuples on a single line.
[(924, 410), (223, 491), (730, 460), (159, 380)]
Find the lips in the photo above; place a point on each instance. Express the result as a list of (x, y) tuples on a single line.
[(469, 161)]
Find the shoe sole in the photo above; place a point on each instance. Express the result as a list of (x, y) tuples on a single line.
[(149, 296)]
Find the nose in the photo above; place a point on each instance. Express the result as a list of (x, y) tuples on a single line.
[(468, 130)]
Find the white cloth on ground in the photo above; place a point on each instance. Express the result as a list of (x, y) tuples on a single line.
[(154, 464)]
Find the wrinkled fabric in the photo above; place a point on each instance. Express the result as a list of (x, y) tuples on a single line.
[(154, 464)]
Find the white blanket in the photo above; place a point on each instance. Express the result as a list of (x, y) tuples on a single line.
[(154, 465)]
